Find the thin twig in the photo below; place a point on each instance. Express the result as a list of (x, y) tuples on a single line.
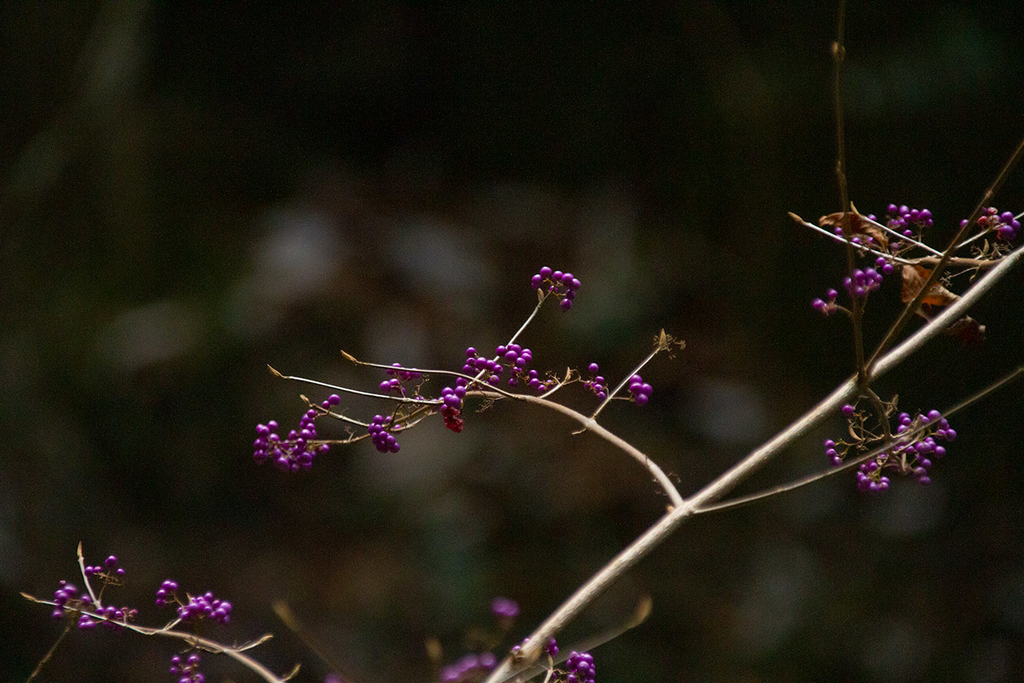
[(424, 371), (285, 614), (49, 653), (843, 240), (920, 261), (611, 395), (357, 392), (900, 235), (592, 426), (85, 577), (235, 653), (639, 616)]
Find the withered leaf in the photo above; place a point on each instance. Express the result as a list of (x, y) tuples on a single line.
[(859, 225), (914, 278), (966, 329)]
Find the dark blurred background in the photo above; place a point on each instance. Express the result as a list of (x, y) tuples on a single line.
[(192, 192)]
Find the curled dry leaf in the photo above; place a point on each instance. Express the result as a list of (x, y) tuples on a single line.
[(914, 278), (967, 330), (859, 225)]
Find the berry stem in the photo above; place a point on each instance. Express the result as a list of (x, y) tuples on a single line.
[(85, 577), (357, 392), (541, 298), (590, 425), (623, 383), (843, 240), (425, 371)]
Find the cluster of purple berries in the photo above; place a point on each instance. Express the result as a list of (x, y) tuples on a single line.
[(870, 478), (398, 376), (539, 385), (198, 607), (110, 572), (918, 453), (205, 606), (165, 593), (562, 285), (580, 668), (1003, 224), (863, 282), (640, 390), (297, 451), (66, 597), (452, 400), (512, 357), (470, 667), (113, 616), (907, 221), (596, 383), (910, 455), (384, 440), (187, 670)]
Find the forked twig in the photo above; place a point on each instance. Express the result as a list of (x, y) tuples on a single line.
[(235, 653)]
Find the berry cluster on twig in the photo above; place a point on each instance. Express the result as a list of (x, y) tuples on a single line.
[(909, 451), (555, 282)]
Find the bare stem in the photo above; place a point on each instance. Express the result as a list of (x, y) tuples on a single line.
[(616, 390), (842, 239), (357, 392), (922, 261), (85, 577), (591, 425), (49, 654)]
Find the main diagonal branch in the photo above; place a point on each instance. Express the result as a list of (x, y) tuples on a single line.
[(661, 530)]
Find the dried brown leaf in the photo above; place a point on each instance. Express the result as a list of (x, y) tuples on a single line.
[(859, 225), (967, 330), (914, 278)]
